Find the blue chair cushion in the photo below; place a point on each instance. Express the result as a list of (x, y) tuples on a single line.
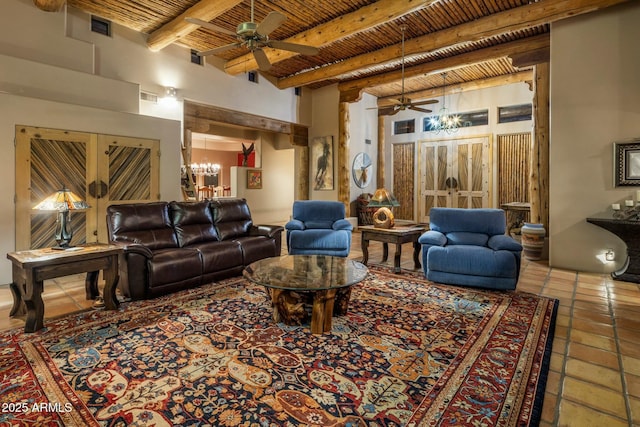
[(472, 260), (467, 238)]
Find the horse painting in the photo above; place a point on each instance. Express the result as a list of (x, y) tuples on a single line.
[(321, 150)]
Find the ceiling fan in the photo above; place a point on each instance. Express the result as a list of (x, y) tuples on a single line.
[(255, 37), (404, 102)]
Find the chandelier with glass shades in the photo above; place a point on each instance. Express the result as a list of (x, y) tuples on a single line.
[(201, 169), (444, 121)]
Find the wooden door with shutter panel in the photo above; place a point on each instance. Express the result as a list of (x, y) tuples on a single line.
[(101, 169), (454, 173)]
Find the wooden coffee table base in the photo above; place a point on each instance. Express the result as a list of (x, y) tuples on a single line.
[(289, 306)]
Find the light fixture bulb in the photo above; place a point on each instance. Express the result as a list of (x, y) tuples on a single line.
[(610, 255)]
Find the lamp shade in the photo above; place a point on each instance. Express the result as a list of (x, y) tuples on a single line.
[(383, 198), (62, 200)]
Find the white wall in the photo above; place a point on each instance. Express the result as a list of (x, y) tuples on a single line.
[(364, 126), (325, 122), (595, 101)]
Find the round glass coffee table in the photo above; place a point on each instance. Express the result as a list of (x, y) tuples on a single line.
[(295, 280)]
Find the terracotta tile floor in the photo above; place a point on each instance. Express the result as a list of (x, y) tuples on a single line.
[(594, 378)]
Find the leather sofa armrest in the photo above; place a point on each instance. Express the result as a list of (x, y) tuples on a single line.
[(135, 248), (295, 224), (501, 242), (266, 230), (433, 238), (342, 224)]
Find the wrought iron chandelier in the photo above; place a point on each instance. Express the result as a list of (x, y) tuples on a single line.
[(444, 121)]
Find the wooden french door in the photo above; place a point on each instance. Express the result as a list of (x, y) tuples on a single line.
[(102, 169), (403, 157), (454, 173)]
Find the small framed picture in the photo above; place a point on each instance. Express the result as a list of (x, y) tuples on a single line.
[(627, 163), (254, 179)]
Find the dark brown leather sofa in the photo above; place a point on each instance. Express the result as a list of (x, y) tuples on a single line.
[(169, 246)]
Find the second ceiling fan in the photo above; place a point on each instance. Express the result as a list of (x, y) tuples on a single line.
[(404, 103), (255, 37)]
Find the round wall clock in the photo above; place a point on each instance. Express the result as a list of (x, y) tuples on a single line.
[(362, 169)]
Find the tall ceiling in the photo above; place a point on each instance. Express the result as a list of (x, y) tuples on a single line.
[(478, 43)]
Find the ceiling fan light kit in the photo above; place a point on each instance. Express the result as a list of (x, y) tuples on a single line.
[(255, 37)]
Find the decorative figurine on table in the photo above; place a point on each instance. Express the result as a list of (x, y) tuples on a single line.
[(629, 213)]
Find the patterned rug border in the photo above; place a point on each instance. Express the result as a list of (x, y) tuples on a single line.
[(76, 323)]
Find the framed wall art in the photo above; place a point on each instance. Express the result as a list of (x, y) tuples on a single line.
[(254, 179), (321, 158), (626, 156)]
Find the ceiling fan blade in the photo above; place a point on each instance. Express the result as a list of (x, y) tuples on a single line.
[(272, 21), (294, 47), (430, 101), (262, 60), (210, 26), (422, 110), (220, 49)]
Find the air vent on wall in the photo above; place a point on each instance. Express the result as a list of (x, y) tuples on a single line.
[(148, 96), (100, 26)]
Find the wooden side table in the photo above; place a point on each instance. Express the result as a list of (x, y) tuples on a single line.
[(399, 234), (32, 267)]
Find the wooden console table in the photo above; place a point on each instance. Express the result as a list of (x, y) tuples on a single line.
[(32, 267), (399, 234), (629, 232)]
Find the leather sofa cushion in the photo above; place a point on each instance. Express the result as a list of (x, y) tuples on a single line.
[(193, 222), (218, 256), (231, 217), (148, 224), (255, 248), (174, 265)]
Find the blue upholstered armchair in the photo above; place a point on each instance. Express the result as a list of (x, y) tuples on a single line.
[(468, 247), (318, 227)]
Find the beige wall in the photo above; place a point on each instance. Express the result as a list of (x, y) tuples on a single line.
[(595, 100)]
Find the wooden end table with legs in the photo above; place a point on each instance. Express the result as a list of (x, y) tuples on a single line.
[(398, 235), (32, 267)]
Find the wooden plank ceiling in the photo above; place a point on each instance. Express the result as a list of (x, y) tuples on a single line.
[(477, 42)]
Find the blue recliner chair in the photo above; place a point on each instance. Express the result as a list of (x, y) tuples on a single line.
[(469, 247), (318, 227)]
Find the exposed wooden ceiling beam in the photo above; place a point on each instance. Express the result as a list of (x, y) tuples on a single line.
[(49, 5), (344, 26), (519, 77), (350, 88), (534, 57), (500, 23), (178, 27)]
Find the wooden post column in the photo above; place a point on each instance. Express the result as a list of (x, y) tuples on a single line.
[(539, 171), (344, 138), (381, 153)]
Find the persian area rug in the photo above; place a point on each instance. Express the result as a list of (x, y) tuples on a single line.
[(408, 353)]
